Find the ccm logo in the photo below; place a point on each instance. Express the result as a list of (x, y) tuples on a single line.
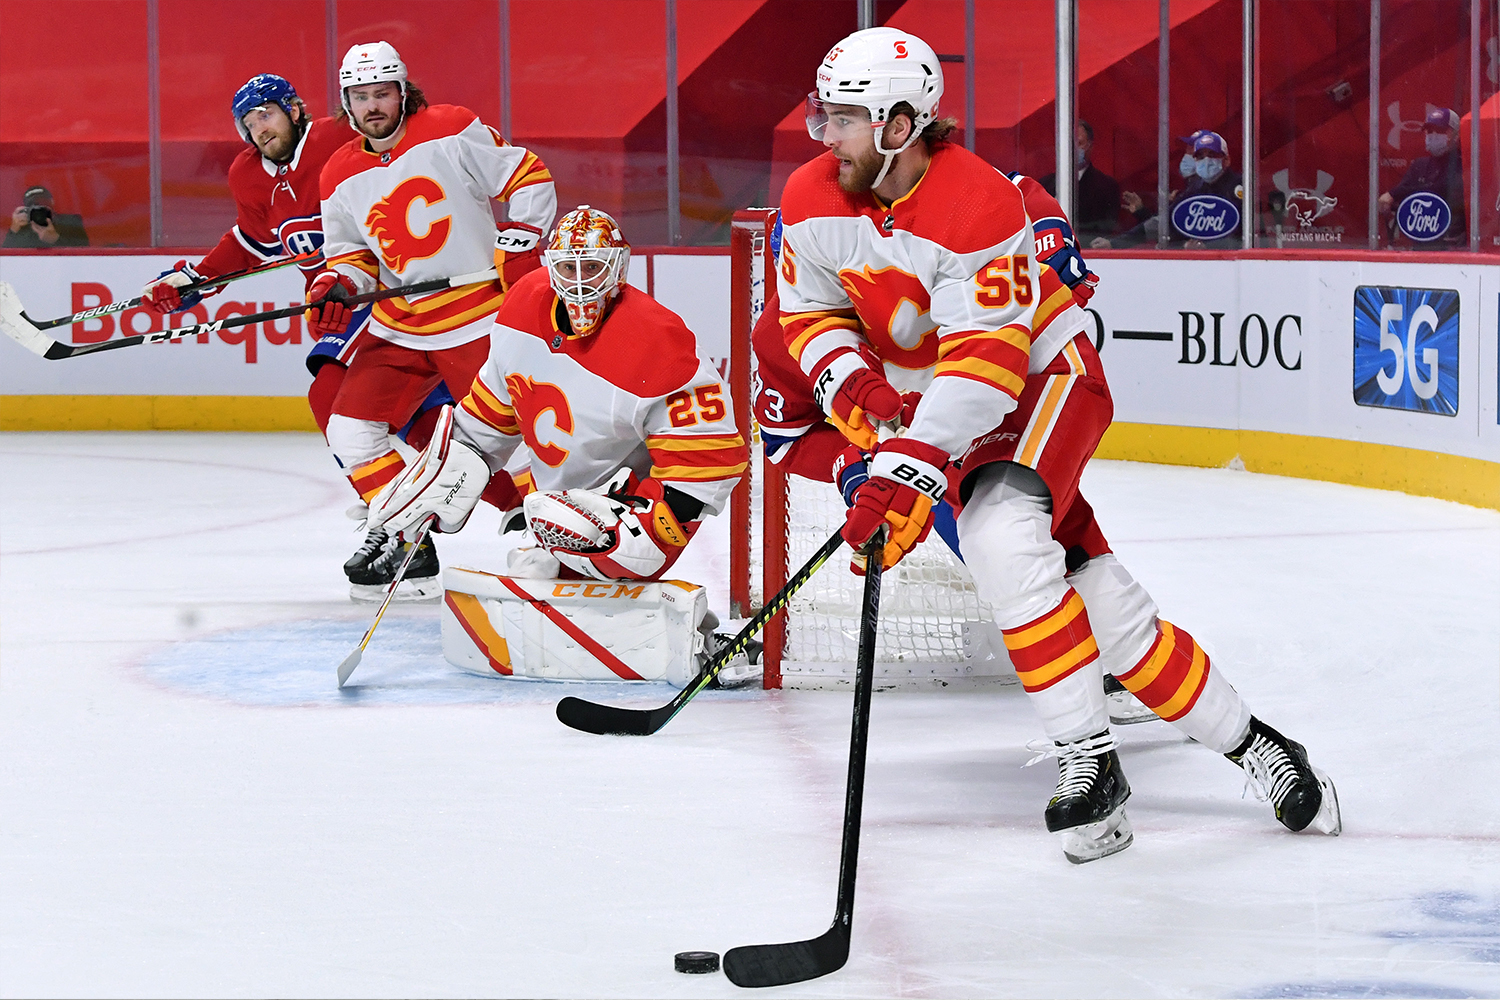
[(921, 481)]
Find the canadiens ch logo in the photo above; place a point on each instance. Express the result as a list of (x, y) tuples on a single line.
[(531, 399), (389, 222), (302, 235)]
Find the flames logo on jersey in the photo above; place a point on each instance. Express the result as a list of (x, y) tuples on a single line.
[(893, 308), (532, 399), (390, 223)]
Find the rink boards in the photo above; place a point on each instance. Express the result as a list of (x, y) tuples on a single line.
[(1380, 373)]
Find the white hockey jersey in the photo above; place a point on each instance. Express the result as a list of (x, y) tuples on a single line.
[(422, 211), (634, 393)]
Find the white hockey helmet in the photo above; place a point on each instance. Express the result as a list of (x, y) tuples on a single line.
[(370, 62), (587, 262), (876, 69)]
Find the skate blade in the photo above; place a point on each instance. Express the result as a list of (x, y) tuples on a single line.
[(1329, 820), (410, 591), (1124, 712), (1093, 841)]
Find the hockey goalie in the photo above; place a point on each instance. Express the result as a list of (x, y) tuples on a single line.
[(632, 440)]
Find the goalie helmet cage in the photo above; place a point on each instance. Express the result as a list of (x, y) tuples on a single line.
[(934, 630)]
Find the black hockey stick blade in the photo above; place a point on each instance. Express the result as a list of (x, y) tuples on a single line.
[(760, 965), (756, 965), (607, 720)]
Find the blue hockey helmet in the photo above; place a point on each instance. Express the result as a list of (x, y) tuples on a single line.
[(262, 88)]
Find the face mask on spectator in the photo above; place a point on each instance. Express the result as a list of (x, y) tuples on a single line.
[(1209, 169), (1188, 166), (1437, 143)]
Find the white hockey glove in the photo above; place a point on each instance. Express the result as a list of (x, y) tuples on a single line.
[(446, 480), (609, 536)]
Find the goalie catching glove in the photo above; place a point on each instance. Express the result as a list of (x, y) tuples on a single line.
[(610, 536), (446, 479), (906, 480)]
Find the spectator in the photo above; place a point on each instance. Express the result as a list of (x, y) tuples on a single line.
[(1145, 229), (1438, 173), (1212, 176), (1097, 211), (34, 226)]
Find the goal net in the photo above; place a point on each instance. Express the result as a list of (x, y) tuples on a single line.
[(934, 629)]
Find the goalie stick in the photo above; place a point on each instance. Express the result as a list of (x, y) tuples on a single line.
[(352, 660), (29, 335), (795, 961), (607, 720), (206, 285)]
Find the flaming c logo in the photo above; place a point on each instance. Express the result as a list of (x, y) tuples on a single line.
[(390, 223), (893, 308), (531, 400)]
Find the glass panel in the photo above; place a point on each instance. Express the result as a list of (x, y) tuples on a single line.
[(590, 100), (1424, 88), (1314, 124), (1117, 101), (198, 83), (76, 118), (1489, 128), (1015, 81)]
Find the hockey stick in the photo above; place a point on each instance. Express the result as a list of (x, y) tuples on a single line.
[(30, 336), (606, 720), (206, 285), (352, 660), (796, 961)]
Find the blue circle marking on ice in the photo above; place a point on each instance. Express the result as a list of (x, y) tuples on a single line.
[(1423, 216), (1206, 217), (294, 663)]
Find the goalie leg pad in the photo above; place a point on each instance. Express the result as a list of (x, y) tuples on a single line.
[(573, 629)]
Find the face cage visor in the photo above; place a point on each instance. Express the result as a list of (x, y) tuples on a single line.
[(587, 296)]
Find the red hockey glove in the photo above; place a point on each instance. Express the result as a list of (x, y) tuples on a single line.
[(906, 480), (333, 316), (518, 252), (163, 294), (1084, 290), (850, 387)]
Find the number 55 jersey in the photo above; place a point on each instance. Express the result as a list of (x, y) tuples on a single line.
[(942, 285), (633, 394)]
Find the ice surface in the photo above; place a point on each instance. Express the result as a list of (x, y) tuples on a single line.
[(189, 807)]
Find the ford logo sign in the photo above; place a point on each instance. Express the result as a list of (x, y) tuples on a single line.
[(1206, 217), (1423, 216)]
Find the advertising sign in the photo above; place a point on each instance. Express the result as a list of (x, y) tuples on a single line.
[(1406, 348)]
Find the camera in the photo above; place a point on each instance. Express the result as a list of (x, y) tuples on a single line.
[(40, 215)]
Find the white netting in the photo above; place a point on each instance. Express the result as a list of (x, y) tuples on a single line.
[(932, 623)]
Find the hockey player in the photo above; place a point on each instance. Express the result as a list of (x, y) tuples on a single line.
[(597, 379), (407, 201), (891, 216), (803, 440), (274, 181), (632, 434)]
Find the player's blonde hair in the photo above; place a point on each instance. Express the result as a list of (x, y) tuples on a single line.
[(936, 132)]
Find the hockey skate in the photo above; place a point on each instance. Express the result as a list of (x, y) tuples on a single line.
[(1278, 770), (373, 567), (1088, 808), (1125, 709), (742, 669)]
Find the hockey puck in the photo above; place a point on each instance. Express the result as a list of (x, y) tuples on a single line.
[(696, 962)]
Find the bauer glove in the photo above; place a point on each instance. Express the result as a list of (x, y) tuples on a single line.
[(851, 388), (906, 480)]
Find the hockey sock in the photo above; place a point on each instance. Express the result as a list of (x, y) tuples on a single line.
[(1050, 655), (1176, 680), (371, 477)]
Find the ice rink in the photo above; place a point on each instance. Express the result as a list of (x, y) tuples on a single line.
[(188, 806)]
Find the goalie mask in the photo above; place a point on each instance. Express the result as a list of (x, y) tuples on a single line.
[(587, 261)]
